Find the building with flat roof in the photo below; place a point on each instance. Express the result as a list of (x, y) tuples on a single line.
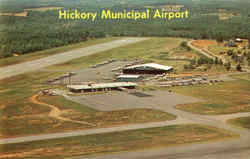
[(239, 40), (149, 68), (101, 87), (129, 78)]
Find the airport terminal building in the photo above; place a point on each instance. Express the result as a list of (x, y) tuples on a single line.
[(101, 87)]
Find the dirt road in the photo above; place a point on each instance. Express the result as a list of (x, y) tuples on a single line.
[(231, 149), (211, 55), (17, 69), (237, 147), (55, 112), (205, 53)]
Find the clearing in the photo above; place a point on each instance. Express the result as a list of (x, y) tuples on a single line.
[(223, 14), (21, 14), (25, 13), (203, 44), (42, 9)]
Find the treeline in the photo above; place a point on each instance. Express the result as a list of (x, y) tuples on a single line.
[(22, 42), (43, 30), (34, 35), (239, 56), (203, 61)]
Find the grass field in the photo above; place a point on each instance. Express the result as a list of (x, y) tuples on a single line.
[(166, 51), (20, 116), (217, 49), (53, 51), (223, 98), (209, 69), (106, 119), (182, 53), (114, 142), (243, 122), (150, 50), (242, 76), (18, 113)]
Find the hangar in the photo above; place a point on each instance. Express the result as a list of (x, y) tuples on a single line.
[(149, 68)]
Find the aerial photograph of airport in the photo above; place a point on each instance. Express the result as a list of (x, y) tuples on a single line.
[(124, 79)]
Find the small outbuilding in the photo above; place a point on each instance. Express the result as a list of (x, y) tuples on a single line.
[(231, 43), (149, 68), (238, 40), (129, 78)]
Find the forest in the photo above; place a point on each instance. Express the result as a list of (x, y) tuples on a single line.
[(39, 30)]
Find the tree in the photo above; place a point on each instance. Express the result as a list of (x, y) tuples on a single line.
[(248, 55), (185, 45), (241, 59), (219, 37), (220, 62), (5, 51), (193, 62), (238, 67), (249, 42), (230, 52), (234, 57), (228, 66), (216, 61), (189, 67)]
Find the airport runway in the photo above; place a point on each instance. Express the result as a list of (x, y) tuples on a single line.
[(231, 148), (237, 148), (34, 65), (197, 151)]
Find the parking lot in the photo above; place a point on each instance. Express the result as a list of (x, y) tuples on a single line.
[(103, 72), (161, 100)]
